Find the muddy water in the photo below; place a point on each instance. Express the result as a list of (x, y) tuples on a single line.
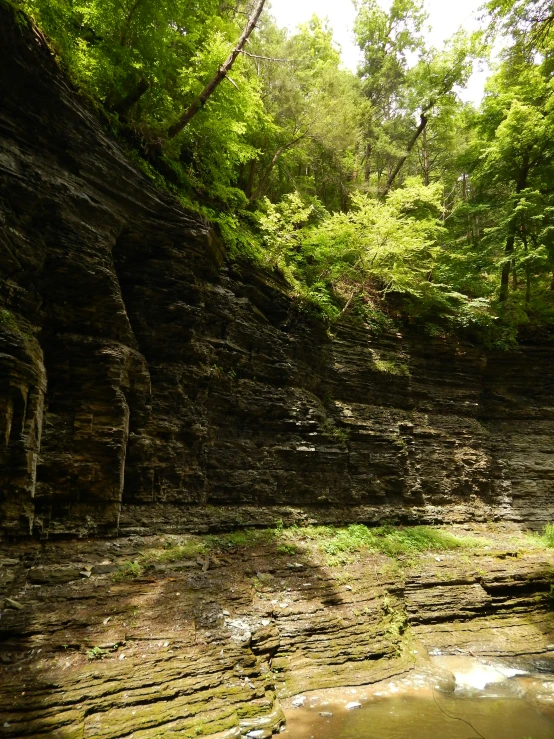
[(448, 698)]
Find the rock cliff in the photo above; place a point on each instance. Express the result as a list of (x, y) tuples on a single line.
[(148, 385), (148, 388)]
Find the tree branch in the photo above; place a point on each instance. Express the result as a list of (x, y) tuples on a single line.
[(265, 179), (266, 58), (413, 140), (219, 76)]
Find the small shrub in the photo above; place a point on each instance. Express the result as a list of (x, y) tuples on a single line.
[(95, 653), (127, 571), (330, 429)]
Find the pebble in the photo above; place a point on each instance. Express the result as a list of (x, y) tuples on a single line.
[(326, 714), (354, 704), (299, 702)]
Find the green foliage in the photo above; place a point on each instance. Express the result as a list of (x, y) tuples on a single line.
[(291, 157), (547, 536), (95, 653)]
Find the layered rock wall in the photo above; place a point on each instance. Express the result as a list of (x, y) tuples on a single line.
[(146, 384)]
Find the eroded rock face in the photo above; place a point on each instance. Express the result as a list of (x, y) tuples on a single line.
[(89, 648), (147, 385)]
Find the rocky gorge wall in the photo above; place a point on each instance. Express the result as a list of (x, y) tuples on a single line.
[(148, 385)]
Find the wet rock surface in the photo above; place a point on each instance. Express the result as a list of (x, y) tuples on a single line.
[(172, 651), (147, 385)]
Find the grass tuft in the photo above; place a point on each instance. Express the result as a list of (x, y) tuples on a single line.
[(242, 538)]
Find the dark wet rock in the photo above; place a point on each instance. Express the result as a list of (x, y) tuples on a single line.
[(53, 575), (103, 569), (142, 654), (148, 385)]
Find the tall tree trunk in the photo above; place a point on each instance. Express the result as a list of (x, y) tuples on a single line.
[(220, 75), (527, 266), (425, 157), (250, 183), (511, 239), (124, 105), (367, 165), (422, 124)]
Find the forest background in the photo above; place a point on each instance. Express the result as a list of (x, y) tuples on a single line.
[(379, 196)]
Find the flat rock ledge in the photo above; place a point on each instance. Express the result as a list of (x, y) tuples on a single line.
[(209, 645)]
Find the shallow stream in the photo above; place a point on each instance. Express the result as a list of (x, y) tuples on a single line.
[(446, 698)]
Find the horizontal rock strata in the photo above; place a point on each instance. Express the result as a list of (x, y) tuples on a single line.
[(146, 384), (208, 645)]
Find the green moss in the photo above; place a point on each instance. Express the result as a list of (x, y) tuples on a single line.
[(241, 538), (175, 552), (389, 367), (10, 322), (127, 571), (390, 540)]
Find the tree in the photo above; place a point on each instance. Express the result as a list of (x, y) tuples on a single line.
[(220, 75), (314, 105), (431, 84)]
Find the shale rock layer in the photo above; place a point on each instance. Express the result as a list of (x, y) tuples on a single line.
[(146, 384), (209, 645)]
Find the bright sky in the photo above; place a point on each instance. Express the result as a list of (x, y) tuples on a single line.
[(445, 17)]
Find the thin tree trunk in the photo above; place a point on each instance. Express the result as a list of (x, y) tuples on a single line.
[(401, 161), (220, 75), (133, 97), (527, 266), (511, 240), (250, 183), (262, 185), (425, 157)]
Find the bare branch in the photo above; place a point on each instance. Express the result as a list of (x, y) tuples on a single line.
[(266, 58)]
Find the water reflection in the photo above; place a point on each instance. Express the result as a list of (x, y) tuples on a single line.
[(447, 698)]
